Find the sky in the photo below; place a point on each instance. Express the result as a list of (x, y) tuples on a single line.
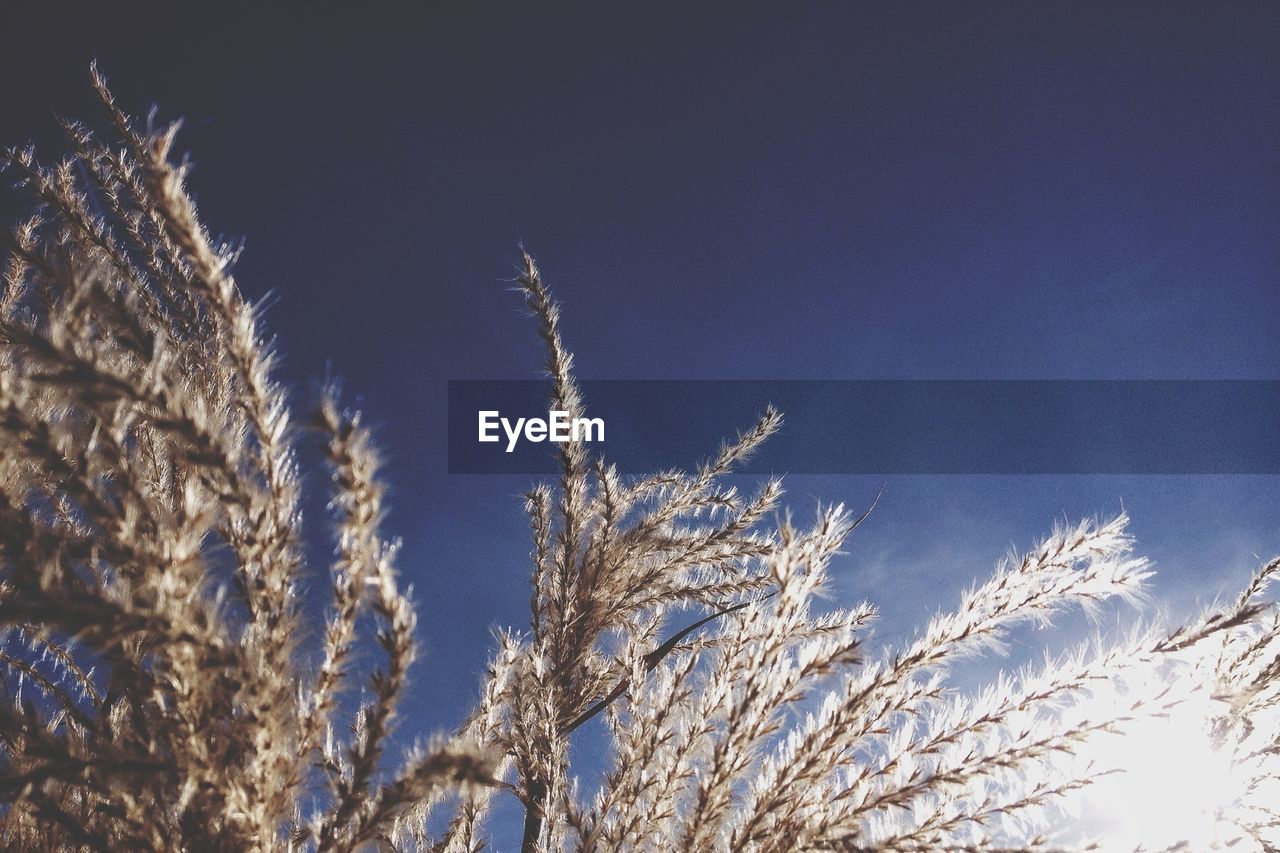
[(792, 191)]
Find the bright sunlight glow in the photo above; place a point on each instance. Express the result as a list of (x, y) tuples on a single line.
[(1170, 784)]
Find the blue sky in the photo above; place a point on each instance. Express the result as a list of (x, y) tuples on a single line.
[(922, 190)]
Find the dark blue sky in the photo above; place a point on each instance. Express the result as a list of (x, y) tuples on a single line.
[(923, 190)]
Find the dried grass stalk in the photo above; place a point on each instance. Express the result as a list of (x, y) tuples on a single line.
[(157, 697)]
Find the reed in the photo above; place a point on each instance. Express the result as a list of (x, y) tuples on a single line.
[(157, 697)]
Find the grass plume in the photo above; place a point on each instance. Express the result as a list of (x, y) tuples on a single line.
[(157, 698)]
